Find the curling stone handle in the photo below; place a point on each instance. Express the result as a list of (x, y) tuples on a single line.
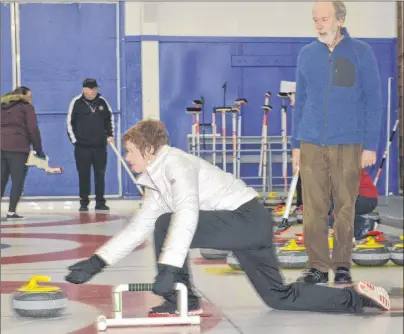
[(32, 285), (34, 279), (41, 278)]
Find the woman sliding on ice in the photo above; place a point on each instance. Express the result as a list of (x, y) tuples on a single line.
[(189, 203)]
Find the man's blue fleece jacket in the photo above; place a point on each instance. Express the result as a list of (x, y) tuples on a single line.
[(338, 95)]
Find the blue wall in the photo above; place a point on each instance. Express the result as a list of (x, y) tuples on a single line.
[(195, 66), (6, 83), (132, 100), (62, 44)]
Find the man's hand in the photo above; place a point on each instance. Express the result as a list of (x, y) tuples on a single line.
[(295, 159), (111, 140), (368, 158)]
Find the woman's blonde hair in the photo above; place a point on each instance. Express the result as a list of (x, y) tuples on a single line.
[(147, 135)]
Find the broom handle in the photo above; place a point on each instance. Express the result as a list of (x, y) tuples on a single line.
[(126, 167)]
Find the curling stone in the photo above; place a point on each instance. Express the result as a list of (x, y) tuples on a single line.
[(233, 262), (214, 254), (277, 215), (397, 253), (32, 300), (374, 215), (260, 199), (379, 237), (273, 199), (370, 254), (292, 256)]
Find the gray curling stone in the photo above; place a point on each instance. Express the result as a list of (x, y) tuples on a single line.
[(272, 199), (213, 254), (370, 254), (39, 304), (273, 202), (397, 254), (292, 256), (32, 300), (278, 217), (233, 262), (261, 197), (374, 215)]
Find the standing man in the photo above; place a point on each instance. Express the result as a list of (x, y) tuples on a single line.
[(336, 129), (90, 125)]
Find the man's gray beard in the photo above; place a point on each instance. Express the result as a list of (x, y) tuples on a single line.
[(328, 41)]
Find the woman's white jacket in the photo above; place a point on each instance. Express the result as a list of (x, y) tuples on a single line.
[(182, 184)]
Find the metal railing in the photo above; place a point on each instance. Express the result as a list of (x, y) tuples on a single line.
[(250, 156)]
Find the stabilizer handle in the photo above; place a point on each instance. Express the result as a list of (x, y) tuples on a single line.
[(140, 287)]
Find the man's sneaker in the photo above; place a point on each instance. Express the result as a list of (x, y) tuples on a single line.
[(314, 276), (14, 216), (342, 276), (373, 296), (102, 207), (83, 208), (168, 309)]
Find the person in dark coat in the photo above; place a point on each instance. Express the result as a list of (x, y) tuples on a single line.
[(90, 127), (19, 129)]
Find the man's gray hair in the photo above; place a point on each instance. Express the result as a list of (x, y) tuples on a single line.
[(340, 10)]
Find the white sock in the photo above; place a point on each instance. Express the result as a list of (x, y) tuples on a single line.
[(11, 213)]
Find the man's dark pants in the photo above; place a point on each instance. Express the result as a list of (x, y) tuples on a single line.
[(248, 233), (87, 157)]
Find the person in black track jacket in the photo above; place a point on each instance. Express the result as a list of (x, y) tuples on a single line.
[(90, 126)]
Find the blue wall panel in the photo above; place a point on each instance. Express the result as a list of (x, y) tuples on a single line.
[(6, 80), (189, 71), (190, 68), (61, 44), (132, 97)]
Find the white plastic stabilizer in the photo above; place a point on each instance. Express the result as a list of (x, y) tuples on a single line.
[(118, 321)]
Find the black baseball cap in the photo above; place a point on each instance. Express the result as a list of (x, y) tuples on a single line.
[(90, 83)]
